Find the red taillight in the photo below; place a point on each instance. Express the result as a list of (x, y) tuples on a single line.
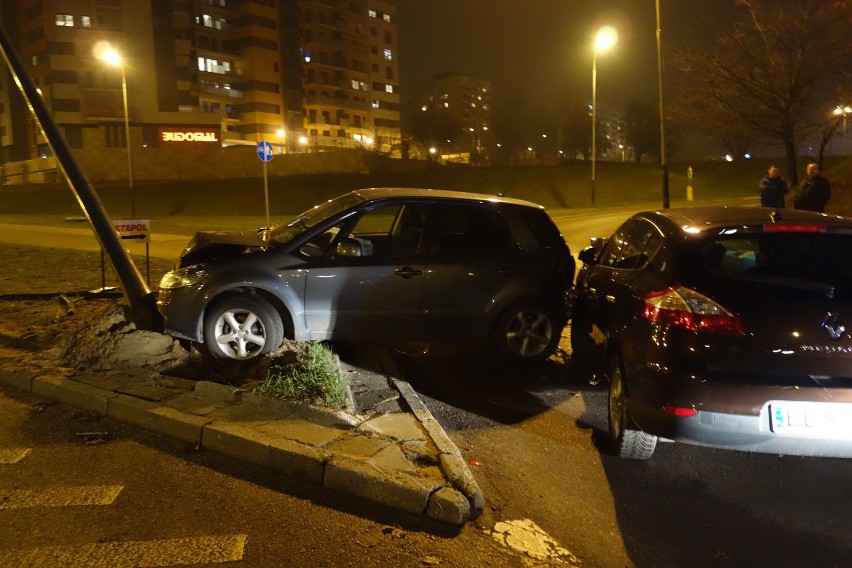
[(682, 307), (679, 411)]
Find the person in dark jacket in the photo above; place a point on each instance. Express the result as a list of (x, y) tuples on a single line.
[(816, 191), (772, 189)]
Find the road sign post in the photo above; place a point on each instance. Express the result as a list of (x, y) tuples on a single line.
[(138, 231), (264, 152)]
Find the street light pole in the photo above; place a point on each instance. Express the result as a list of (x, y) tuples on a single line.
[(127, 140), (594, 118), (105, 52), (605, 39), (663, 162)]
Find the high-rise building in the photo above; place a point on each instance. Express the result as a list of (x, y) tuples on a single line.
[(305, 75), (454, 112)]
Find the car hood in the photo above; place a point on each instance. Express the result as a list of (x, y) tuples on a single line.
[(208, 246)]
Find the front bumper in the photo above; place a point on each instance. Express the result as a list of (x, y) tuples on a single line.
[(182, 318)]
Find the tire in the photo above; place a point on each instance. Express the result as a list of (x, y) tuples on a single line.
[(627, 441), (526, 332), (242, 328)]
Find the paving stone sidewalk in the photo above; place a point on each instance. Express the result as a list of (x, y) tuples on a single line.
[(385, 447)]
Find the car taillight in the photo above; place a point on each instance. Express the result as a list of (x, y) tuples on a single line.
[(682, 307)]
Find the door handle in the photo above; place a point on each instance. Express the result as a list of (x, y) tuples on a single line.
[(408, 272)]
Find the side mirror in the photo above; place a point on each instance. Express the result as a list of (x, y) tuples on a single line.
[(348, 248), (588, 255), (354, 247)]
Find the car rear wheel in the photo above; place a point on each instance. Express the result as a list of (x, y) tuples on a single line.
[(239, 328), (527, 332), (627, 441)]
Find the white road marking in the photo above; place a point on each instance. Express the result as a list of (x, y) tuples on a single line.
[(132, 554), (530, 539), (60, 496), (9, 456)]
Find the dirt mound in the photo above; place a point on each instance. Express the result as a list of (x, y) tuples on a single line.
[(110, 342)]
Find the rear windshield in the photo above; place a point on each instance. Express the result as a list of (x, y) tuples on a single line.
[(819, 263)]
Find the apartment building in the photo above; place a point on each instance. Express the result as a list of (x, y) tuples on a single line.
[(456, 112), (306, 75)]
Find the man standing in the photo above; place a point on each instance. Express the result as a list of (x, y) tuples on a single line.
[(772, 189), (816, 191)]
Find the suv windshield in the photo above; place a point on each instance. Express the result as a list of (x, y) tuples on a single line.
[(820, 263), (283, 234)]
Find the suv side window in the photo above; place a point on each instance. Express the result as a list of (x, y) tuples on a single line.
[(464, 230), (391, 230)]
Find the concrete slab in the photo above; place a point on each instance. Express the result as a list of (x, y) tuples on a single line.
[(404, 492), (157, 418), (21, 381), (72, 392), (399, 426), (448, 506)]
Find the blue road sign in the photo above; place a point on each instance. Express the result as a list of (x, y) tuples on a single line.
[(264, 151)]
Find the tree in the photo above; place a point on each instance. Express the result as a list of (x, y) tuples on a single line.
[(771, 71), (642, 128)]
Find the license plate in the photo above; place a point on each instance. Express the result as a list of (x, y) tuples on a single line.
[(819, 419)]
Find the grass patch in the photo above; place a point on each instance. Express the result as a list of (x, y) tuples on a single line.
[(313, 378), (31, 269)]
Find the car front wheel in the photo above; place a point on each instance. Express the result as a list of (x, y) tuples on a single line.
[(627, 441), (527, 332), (240, 328)]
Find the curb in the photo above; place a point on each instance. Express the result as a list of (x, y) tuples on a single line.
[(451, 461), (361, 456)]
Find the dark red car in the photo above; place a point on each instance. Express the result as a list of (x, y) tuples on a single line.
[(724, 327)]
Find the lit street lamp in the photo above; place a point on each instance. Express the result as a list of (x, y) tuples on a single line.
[(842, 111), (604, 40), (111, 57)]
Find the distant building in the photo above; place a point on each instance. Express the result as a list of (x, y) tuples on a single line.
[(306, 75), (453, 114)]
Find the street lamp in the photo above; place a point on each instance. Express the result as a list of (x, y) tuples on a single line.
[(604, 40), (842, 111), (282, 134), (111, 57)]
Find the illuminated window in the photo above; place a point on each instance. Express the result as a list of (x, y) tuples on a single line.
[(372, 13), (388, 88), (386, 17), (85, 21), (214, 66), (65, 20), (355, 84), (375, 103), (388, 55)]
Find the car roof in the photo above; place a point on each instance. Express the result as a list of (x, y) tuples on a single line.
[(373, 193), (697, 220)]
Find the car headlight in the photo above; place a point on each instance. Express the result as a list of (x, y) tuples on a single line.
[(182, 278)]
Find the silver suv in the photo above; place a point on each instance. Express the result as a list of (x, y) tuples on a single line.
[(378, 264)]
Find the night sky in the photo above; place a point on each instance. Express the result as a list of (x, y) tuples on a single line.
[(532, 50)]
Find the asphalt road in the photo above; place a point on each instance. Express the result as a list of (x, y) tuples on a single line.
[(540, 435), (78, 490)]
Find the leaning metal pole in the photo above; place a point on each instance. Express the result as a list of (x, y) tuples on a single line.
[(142, 301)]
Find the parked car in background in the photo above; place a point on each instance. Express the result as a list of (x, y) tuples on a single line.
[(382, 264), (725, 327)]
